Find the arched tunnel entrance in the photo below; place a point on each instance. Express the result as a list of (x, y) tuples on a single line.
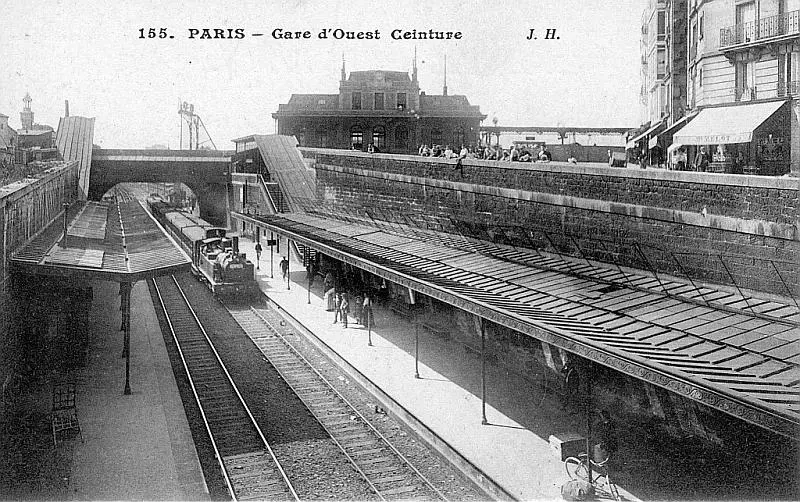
[(177, 194), (204, 172)]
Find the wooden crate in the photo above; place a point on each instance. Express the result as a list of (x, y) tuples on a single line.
[(567, 444)]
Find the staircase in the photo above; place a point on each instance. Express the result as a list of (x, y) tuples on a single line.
[(305, 253), (275, 196)]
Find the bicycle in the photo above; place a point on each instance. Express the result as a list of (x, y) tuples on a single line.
[(578, 468)]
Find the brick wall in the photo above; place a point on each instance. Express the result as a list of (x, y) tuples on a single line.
[(725, 229), (25, 208)]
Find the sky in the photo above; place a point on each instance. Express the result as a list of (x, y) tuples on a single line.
[(91, 53)]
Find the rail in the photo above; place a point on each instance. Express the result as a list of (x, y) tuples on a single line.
[(218, 456), (351, 409)]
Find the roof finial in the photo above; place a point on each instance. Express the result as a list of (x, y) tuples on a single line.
[(444, 90)]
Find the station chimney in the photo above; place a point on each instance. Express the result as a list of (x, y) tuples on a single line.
[(444, 89)]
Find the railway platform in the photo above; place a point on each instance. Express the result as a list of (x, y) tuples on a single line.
[(133, 447), (136, 447), (512, 449)]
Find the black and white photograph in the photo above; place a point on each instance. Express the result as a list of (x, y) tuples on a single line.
[(348, 250)]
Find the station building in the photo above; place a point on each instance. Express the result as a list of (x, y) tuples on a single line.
[(385, 108)]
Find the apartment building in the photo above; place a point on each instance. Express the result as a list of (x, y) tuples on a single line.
[(742, 81), (663, 58)]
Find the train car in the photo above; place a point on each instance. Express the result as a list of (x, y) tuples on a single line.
[(215, 255)]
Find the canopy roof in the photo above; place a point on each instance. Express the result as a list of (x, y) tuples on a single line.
[(726, 125), (740, 355)]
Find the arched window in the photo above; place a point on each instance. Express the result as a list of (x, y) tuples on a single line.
[(357, 138), (459, 138), (300, 134), (401, 138), (379, 137)]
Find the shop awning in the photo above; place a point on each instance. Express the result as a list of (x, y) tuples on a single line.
[(674, 146), (632, 143), (725, 125)]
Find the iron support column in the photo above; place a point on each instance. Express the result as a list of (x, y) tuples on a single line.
[(483, 373), (126, 287), (416, 346)]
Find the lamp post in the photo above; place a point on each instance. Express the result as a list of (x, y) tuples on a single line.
[(368, 313), (483, 372)]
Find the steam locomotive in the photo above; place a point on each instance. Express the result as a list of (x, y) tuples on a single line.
[(216, 259)]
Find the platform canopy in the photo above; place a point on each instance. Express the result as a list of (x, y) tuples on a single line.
[(105, 241), (740, 355), (726, 124)]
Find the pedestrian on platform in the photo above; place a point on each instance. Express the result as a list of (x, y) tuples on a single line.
[(311, 273), (366, 312), (284, 267), (258, 254), (358, 309), (329, 292), (344, 308), (329, 297), (337, 310)]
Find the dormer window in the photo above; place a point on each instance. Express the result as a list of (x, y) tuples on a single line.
[(401, 100)]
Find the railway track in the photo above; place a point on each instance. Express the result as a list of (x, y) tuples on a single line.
[(384, 468), (247, 462)]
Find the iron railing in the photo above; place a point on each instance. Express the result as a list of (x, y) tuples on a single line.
[(788, 88), (780, 25)]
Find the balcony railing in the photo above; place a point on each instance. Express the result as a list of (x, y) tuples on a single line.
[(761, 29), (788, 88)]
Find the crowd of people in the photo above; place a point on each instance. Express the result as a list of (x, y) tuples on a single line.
[(488, 152), (348, 297)]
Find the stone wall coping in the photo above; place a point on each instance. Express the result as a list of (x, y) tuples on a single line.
[(591, 169), (18, 189)]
